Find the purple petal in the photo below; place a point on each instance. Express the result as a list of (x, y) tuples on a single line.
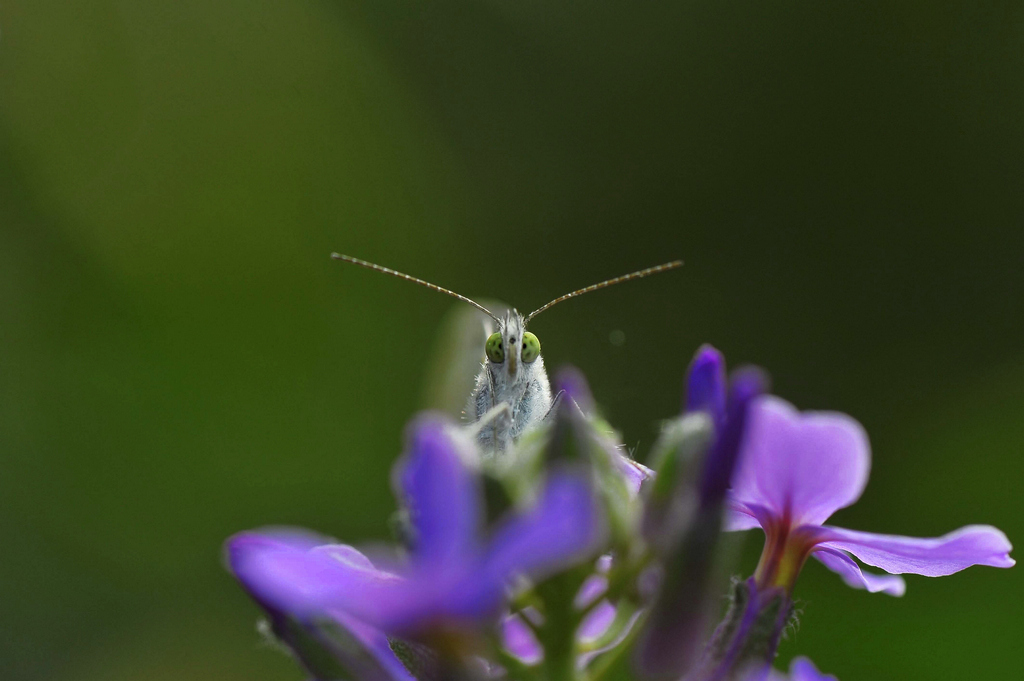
[(934, 557), (596, 622), (595, 585), (388, 667), (593, 588), (804, 466), (563, 528), (705, 384), (633, 472), (518, 639), (599, 621), (441, 493), (331, 579), (739, 518), (571, 382), (802, 669), (844, 566), (747, 384), (286, 572), (282, 538)]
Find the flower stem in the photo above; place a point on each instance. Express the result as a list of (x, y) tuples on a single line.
[(558, 633)]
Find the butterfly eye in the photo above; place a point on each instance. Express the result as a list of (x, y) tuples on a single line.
[(494, 348), (531, 348)]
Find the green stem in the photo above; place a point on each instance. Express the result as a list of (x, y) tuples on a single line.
[(558, 633)]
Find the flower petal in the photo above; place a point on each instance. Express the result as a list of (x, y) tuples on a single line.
[(737, 522), (705, 384), (593, 588), (564, 527), (633, 472), (384, 665), (519, 640), (330, 579), (441, 492), (932, 557), (802, 669), (286, 572), (596, 622), (746, 386), (572, 384), (801, 465), (290, 576), (738, 518), (596, 626), (847, 568)]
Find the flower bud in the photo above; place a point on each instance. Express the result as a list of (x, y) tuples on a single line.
[(684, 528), (749, 635)]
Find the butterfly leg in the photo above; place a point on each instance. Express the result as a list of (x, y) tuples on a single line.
[(492, 429)]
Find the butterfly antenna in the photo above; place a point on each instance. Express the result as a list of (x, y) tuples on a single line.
[(605, 284), (400, 275)]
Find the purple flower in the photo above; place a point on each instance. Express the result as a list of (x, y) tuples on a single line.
[(705, 385), (800, 669), (361, 649), (458, 571), (796, 470), (706, 391)]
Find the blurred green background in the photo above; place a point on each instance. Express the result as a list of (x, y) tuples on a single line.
[(180, 360)]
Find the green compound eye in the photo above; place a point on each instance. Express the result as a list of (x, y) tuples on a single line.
[(531, 348), (494, 348)]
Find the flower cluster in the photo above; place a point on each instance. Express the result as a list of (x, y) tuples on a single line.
[(565, 559)]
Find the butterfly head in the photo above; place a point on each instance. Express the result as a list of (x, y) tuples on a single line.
[(512, 346)]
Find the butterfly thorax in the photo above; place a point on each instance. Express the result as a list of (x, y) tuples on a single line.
[(522, 385)]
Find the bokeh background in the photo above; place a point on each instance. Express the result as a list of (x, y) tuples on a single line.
[(180, 360)]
